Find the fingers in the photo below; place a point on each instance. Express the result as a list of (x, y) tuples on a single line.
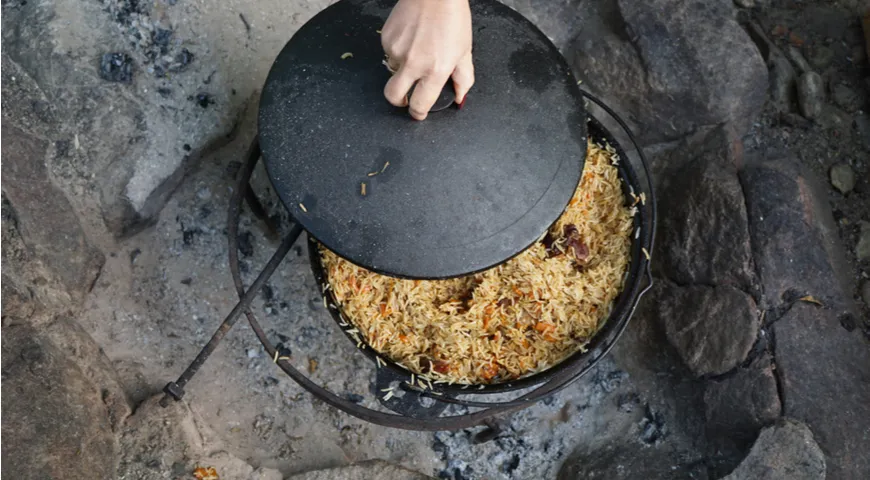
[(463, 78), (426, 93), (396, 90)]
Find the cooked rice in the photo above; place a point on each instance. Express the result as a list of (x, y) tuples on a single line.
[(515, 319)]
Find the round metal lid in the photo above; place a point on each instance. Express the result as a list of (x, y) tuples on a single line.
[(460, 192)]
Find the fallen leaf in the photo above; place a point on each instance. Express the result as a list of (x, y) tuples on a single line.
[(312, 365), (795, 40), (779, 31), (203, 473), (811, 299)]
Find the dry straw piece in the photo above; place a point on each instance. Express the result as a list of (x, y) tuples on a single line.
[(518, 318)]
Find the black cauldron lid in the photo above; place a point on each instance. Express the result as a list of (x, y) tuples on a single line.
[(460, 192)]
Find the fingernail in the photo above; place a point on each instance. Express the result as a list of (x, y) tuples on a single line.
[(462, 102)]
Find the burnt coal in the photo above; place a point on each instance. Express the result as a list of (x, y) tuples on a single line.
[(203, 99), (270, 381), (485, 435), (188, 234), (161, 38), (610, 381), (183, 59), (123, 10), (627, 403), (511, 464), (267, 292), (354, 397), (653, 428), (116, 67), (246, 244), (283, 350)]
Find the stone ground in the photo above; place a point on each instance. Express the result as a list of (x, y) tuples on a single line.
[(660, 406)]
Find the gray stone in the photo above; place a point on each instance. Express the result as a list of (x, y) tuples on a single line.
[(671, 66), (704, 231), (712, 328), (793, 239), (797, 58), (834, 118), (55, 424), (846, 97), (824, 371), (739, 405), (370, 469), (843, 178), (820, 57), (865, 292), (785, 451), (862, 249), (122, 142), (782, 82), (811, 93)]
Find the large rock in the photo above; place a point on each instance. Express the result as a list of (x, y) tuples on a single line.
[(43, 215), (49, 255), (712, 328), (785, 451), (825, 375), (794, 240), (704, 231), (125, 144), (739, 405), (55, 424), (370, 469), (80, 348), (671, 66), (560, 21)]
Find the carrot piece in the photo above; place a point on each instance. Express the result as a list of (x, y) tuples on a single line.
[(544, 327), (441, 366), (488, 371)]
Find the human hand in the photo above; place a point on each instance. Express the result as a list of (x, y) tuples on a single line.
[(428, 42)]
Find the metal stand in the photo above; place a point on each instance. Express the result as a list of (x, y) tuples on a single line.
[(412, 417)]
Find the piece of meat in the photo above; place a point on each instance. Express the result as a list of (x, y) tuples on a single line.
[(575, 244)]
